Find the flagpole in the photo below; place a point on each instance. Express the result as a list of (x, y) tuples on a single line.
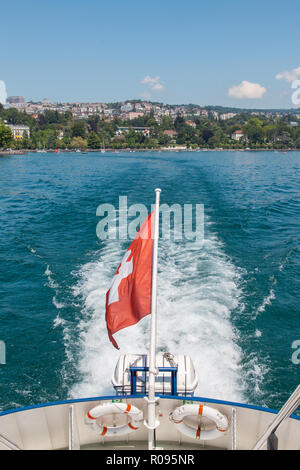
[(152, 424)]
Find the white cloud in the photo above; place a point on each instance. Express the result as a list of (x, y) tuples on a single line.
[(3, 94), (247, 90), (153, 83), (289, 75)]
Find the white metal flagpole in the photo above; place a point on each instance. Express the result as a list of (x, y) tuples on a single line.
[(152, 424)]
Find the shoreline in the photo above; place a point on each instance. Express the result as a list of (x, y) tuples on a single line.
[(27, 151)]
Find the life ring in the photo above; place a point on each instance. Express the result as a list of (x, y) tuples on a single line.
[(134, 413), (181, 412)]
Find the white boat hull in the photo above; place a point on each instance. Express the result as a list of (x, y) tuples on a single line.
[(62, 425)]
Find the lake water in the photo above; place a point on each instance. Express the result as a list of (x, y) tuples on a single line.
[(232, 303)]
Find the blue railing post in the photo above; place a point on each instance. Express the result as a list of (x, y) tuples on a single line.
[(133, 381), (133, 377), (174, 382)]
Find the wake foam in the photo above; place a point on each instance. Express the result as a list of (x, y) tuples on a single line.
[(268, 298), (198, 291), (51, 282), (53, 285)]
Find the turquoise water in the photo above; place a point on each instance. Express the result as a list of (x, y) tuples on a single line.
[(232, 304)]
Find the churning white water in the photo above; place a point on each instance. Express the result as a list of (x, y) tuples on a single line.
[(198, 290)]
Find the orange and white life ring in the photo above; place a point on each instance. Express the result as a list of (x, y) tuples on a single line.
[(136, 418), (220, 420)]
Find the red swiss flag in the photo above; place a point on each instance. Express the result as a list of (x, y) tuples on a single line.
[(128, 299)]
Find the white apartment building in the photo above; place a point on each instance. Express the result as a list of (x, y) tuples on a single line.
[(237, 135), (19, 130)]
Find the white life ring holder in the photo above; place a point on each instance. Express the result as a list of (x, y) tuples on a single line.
[(181, 412), (136, 417)]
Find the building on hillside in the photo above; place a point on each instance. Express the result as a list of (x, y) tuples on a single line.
[(170, 133), (141, 130), (147, 106), (226, 116), (134, 115), (215, 115), (19, 130), (191, 123), (237, 135), (126, 108), (15, 100), (204, 112), (138, 107)]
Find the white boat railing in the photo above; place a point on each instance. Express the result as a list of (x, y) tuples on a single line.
[(73, 431), (269, 435), (233, 429)]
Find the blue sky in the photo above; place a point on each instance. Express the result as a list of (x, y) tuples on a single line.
[(191, 51)]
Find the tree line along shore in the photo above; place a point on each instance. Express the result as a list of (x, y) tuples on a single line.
[(54, 130)]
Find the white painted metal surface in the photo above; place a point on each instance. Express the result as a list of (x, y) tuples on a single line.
[(73, 431), (288, 408), (152, 423)]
